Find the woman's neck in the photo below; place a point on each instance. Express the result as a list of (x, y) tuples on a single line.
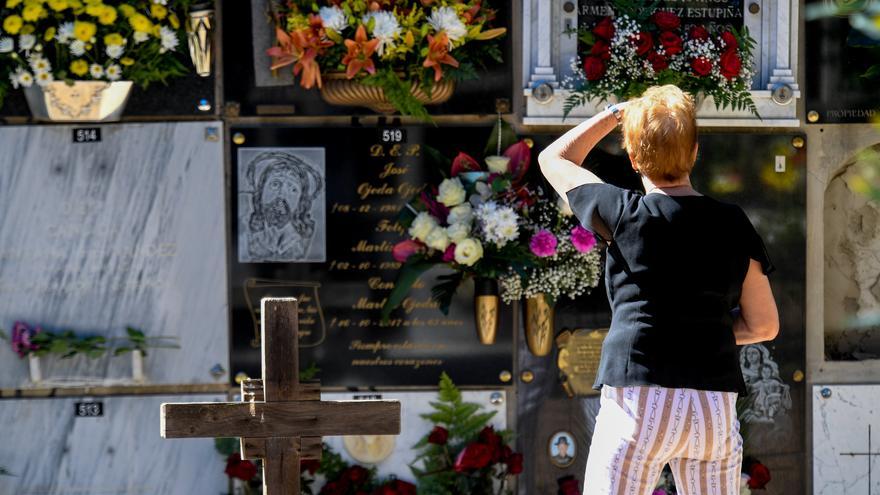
[(681, 187)]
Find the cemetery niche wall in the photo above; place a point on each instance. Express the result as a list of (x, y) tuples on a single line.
[(550, 72), (348, 186)]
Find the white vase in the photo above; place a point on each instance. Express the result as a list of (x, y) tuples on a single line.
[(137, 366), (34, 366)]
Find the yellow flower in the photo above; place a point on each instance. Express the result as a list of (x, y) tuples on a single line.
[(93, 10), (32, 11), (12, 24), (156, 31), (174, 21), (140, 23), (58, 5), (11, 4), (126, 61), (127, 10), (49, 34), (79, 67), (158, 11), (107, 15), (84, 31), (28, 29), (113, 39)]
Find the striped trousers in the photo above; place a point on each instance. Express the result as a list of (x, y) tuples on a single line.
[(639, 429)]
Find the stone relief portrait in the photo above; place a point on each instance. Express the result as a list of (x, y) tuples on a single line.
[(562, 449), (281, 207), (769, 397)]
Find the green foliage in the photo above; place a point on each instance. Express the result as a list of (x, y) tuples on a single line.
[(398, 92), (414, 267), (227, 446), (508, 137), (310, 372)]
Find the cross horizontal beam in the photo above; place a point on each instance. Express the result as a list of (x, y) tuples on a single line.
[(280, 419)]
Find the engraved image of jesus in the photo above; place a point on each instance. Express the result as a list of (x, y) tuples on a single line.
[(281, 205)]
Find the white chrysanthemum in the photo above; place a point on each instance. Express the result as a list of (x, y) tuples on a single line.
[(445, 19), (458, 231), (498, 224), (65, 32), (114, 51), (468, 252), (462, 213), (161, 2), (437, 239), (140, 37), (451, 192), (44, 78), (169, 39), (25, 79), (7, 44), (26, 41), (422, 225), (77, 48), (385, 29), (333, 17), (96, 71), (39, 63), (113, 72)]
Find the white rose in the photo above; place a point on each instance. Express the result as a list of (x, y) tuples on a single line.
[(497, 164), (437, 239), (468, 252), (451, 192), (462, 213), (422, 225), (458, 231)]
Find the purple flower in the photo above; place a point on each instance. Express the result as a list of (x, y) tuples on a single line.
[(660, 491), (21, 338), (582, 239), (543, 244)]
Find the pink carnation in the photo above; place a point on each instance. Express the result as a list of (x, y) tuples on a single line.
[(543, 244), (404, 249), (582, 239), (449, 254)]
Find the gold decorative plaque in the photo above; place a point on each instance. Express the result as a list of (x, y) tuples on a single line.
[(578, 360), (369, 449)]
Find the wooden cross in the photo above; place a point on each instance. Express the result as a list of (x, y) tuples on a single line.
[(279, 419)]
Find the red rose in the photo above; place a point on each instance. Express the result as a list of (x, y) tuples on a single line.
[(334, 488), (355, 474), (515, 463), (701, 66), (730, 64), (473, 456), (658, 62), (237, 468), (438, 435), (644, 43), (601, 49), (594, 68), (759, 475), (406, 248), (666, 21), (493, 441), (671, 43), (568, 485), (699, 33), (309, 465), (604, 29), (403, 488), (729, 40)]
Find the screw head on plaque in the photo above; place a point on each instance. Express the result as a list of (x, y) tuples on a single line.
[(542, 93), (813, 116)]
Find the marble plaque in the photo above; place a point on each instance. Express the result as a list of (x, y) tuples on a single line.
[(128, 231), (49, 451), (846, 439)]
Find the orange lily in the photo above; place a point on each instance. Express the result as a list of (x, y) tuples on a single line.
[(438, 53), (300, 48), (360, 53), (285, 53)]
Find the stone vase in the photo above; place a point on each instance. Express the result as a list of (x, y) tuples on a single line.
[(137, 366), (82, 101), (539, 321), (486, 309), (36, 372)]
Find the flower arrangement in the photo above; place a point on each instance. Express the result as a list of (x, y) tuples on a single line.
[(33, 340), (463, 454), (641, 46), (387, 43), (48, 40)]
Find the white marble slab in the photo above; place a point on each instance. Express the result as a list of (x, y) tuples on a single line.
[(412, 426), (51, 452), (841, 423), (129, 231)]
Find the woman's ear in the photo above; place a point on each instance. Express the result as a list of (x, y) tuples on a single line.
[(696, 151)]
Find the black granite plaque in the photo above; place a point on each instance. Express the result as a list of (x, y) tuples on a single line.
[(355, 180), (723, 12), (842, 64)]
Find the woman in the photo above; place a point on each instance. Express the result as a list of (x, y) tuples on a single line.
[(687, 282)]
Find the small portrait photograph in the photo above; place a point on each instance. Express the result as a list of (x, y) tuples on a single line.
[(562, 449), (281, 206)]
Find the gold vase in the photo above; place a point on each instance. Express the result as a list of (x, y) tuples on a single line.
[(486, 308), (539, 325), (336, 89), (199, 32)]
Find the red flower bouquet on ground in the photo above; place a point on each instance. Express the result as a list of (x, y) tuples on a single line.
[(637, 48)]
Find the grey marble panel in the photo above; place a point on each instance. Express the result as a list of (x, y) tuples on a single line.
[(95, 237), (263, 39), (48, 451)]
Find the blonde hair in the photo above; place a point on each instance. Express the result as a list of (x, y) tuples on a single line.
[(660, 132)]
